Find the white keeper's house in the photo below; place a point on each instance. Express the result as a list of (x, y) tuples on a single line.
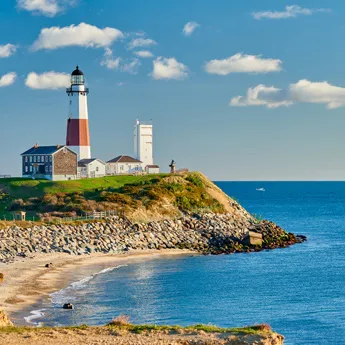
[(124, 165), (91, 168)]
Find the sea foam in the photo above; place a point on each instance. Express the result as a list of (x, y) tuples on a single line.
[(35, 314), (59, 297)]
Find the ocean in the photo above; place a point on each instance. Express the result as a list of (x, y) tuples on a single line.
[(299, 291)]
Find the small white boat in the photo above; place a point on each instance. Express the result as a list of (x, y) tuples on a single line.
[(260, 189)]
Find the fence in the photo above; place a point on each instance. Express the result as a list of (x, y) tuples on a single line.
[(94, 215), (5, 176), (86, 216)]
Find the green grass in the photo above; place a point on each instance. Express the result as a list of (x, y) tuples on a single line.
[(138, 329), (27, 188)]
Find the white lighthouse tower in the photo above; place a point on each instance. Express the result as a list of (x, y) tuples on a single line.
[(143, 149), (78, 136)]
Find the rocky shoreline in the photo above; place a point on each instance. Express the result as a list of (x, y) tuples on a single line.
[(209, 233)]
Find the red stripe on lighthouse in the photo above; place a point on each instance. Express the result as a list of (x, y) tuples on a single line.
[(78, 132)]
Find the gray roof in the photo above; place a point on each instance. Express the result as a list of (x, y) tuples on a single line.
[(84, 162), (124, 159), (44, 150)]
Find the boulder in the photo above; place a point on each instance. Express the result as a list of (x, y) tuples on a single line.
[(69, 306)]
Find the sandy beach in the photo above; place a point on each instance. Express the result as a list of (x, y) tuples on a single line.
[(27, 280)]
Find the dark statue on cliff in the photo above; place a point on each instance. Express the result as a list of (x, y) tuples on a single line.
[(172, 167)]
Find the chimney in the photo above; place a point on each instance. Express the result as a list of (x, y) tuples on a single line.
[(36, 146), (58, 146)]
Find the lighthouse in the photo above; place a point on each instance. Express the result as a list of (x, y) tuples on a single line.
[(78, 136)]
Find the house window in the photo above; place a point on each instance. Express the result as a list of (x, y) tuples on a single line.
[(26, 159), (26, 169), (46, 168), (50, 169), (38, 159), (30, 159), (34, 159), (46, 158), (121, 167), (50, 158), (97, 168), (30, 168), (42, 159)]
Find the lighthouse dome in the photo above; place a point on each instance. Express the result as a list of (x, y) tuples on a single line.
[(77, 77)]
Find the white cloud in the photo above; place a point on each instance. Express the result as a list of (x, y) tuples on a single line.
[(48, 80), (269, 96), (169, 68), (8, 79), (304, 91), (143, 53), (84, 35), (7, 50), (289, 12), (131, 67), (46, 7), (141, 42), (318, 92), (189, 28), (109, 61), (242, 63)]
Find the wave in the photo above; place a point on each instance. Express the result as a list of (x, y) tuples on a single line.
[(35, 314), (59, 297)]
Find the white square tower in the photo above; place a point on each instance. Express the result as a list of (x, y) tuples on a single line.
[(143, 143)]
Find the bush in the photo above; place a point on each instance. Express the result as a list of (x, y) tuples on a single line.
[(195, 179), (121, 320)]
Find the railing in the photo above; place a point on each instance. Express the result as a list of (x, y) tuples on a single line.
[(5, 176), (86, 216)]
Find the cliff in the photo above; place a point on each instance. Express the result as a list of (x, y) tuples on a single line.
[(4, 320), (144, 335), (139, 198)]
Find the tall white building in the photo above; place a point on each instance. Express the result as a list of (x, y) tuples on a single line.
[(78, 137), (143, 150)]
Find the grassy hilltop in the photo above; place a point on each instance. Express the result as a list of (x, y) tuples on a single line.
[(145, 197)]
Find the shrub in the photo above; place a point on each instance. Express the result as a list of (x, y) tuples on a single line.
[(195, 179), (121, 320)]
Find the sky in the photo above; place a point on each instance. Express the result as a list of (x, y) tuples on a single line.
[(240, 90)]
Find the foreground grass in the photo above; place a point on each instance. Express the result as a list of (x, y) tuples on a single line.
[(138, 329)]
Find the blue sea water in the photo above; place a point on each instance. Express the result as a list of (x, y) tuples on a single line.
[(300, 290)]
